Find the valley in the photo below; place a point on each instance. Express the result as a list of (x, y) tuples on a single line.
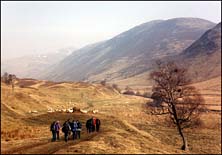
[(135, 77)]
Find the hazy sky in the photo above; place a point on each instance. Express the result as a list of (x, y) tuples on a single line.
[(38, 27)]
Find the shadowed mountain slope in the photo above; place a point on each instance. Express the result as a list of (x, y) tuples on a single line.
[(130, 53)]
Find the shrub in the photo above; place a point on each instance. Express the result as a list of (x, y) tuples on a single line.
[(115, 86), (129, 92), (103, 82)]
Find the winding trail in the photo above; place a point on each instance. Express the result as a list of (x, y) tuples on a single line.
[(47, 147)]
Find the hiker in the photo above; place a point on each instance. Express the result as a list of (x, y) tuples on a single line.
[(66, 128), (70, 130), (79, 128), (97, 125), (57, 128), (87, 126), (94, 123), (74, 129), (90, 125), (52, 129)]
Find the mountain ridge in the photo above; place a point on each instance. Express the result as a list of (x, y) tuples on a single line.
[(203, 57), (130, 53)]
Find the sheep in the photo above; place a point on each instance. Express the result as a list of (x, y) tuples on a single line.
[(69, 110), (34, 111), (95, 111), (83, 111)]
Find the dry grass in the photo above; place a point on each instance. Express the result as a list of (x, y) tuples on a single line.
[(126, 128), (18, 134)]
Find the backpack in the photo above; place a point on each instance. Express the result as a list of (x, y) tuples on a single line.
[(52, 127), (66, 128), (63, 129)]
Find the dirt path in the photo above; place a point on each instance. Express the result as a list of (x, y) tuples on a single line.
[(47, 147)]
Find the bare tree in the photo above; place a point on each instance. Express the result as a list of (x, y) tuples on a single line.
[(9, 79), (5, 78), (103, 82), (12, 78), (179, 100)]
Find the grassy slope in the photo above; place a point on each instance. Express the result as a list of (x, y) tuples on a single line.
[(211, 91), (125, 126)]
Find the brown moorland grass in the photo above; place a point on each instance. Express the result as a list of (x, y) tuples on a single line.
[(126, 128)]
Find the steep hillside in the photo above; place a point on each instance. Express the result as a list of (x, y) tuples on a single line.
[(131, 52), (203, 57)]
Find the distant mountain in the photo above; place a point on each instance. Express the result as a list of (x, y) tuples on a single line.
[(131, 53), (208, 43), (203, 57), (32, 65)]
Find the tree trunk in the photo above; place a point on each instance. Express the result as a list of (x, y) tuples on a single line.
[(184, 146)]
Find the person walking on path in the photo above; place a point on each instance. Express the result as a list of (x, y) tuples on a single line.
[(97, 125), (65, 129), (52, 129), (57, 128), (94, 123), (79, 128), (74, 129)]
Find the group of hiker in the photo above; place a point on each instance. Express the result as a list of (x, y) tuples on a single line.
[(73, 127), (92, 125)]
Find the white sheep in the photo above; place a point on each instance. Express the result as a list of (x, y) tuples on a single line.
[(69, 110), (83, 111), (95, 111)]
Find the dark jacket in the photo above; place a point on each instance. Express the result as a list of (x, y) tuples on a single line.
[(66, 127), (97, 122), (52, 126)]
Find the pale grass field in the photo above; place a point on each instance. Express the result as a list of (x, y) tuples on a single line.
[(126, 128)]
